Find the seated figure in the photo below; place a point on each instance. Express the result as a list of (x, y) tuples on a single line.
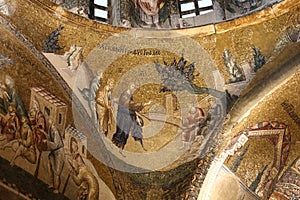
[(191, 124)]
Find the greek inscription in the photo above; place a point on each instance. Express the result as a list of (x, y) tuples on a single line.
[(126, 50), (114, 48)]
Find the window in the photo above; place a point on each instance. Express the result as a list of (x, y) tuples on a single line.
[(59, 118), (47, 111), (191, 8), (83, 150), (189, 15), (99, 10)]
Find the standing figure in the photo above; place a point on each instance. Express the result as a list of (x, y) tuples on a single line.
[(38, 124), (191, 124), (10, 124), (89, 94), (82, 176), (56, 156), (127, 119), (149, 12), (23, 145), (215, 114), (104, 109), (94, 86)]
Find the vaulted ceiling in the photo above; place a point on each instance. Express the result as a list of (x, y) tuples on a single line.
[(252, 143)]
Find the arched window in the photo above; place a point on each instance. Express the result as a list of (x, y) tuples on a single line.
[(83, 150), (100, 10), (191, 8)]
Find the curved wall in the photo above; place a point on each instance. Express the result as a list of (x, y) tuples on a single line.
[(129, 55)]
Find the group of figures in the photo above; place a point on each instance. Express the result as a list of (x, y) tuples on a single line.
[(177, 76), (25, 132), (129, 120), (29, 134), (101, 104)]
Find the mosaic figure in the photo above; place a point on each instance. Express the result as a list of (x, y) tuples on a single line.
[(10, 96), (191, 124), (38, 124), (148, 11), (88, 187), (56, 156), (89, 94), (23, 145), (104, 109), (127, 119), (10, 125)]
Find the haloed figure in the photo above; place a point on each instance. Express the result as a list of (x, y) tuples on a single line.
[(89, 94), (104, 108), (93, 88), (127, 119), (149, 12)]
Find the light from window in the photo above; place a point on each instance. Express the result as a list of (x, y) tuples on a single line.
[(101, 2), (189, 15), (101, 13), (192, 8), (206, 11), (59, 118), (83, 149), (187, 6), (204, 3)]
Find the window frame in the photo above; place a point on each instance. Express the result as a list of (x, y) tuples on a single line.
[(197, 10), (93, 6)]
